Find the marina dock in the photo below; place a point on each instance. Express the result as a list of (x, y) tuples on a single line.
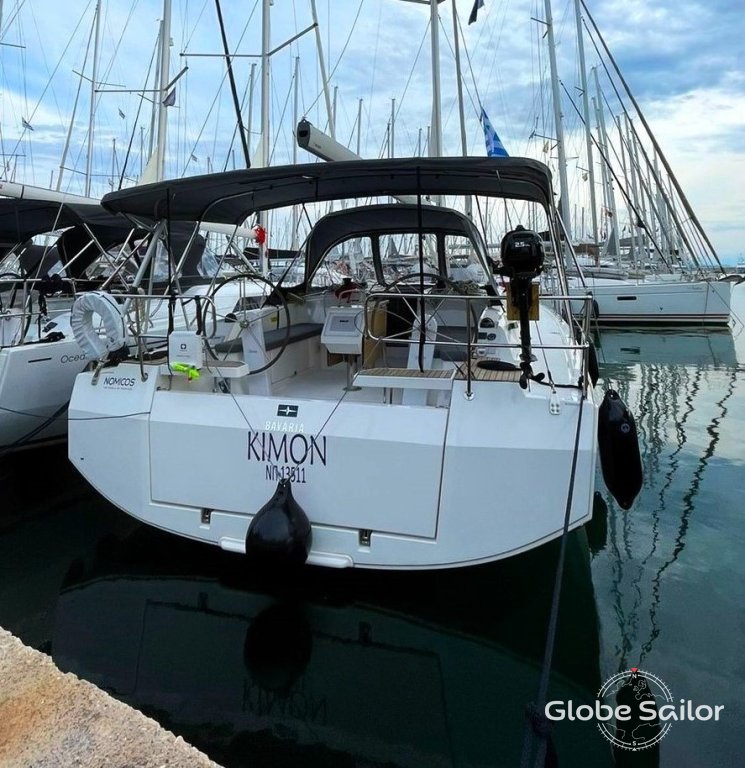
[(49, 718)]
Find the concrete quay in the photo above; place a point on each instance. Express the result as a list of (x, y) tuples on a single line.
[(49, 719)]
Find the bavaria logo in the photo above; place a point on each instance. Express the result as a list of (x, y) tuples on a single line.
[(288, 411)]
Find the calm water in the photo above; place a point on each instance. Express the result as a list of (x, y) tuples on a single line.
[(356, 669)]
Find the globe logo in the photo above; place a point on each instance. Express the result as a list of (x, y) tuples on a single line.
[(636, 697)]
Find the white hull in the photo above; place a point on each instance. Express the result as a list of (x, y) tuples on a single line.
[(36, 379), (469, 482), (679, 302), (36, 382)]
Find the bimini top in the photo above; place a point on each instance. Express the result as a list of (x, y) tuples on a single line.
[(22, 219), (231, 197)]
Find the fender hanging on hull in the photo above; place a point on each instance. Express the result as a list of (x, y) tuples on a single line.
[(619, 449), (280, 534)]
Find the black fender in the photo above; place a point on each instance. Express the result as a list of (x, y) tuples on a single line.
[(280, 533), (618, 442)]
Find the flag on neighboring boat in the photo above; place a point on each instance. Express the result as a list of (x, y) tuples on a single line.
[(475, 10), (494, 146), (121, 114), (170, 100), (25, 123)]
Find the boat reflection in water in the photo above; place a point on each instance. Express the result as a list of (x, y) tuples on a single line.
[(702, 348), (653, 565), (332, 669)]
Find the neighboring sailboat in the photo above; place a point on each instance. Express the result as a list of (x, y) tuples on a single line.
[(90, 252), (653, 300), (356, 419), (39, 357), (659, 275), (42, 347)]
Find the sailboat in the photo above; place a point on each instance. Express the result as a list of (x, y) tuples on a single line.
[(88, 250), (653, 300), (677, 290), (353, 425), (39, 356)]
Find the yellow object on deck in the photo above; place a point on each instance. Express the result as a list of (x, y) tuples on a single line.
[(191, 371)]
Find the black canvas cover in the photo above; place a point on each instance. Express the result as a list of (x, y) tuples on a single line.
[(20, 220), (233, 196)]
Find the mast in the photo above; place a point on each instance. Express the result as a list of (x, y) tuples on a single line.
[(392, 131), (637, 181), (461, 112), (92, 111), (435, 144), (265, 121), (155, 104), (265, 80), (683, 199), (359, 124), (559, 124), (251, 81), (66, 148), (628, 173), (295, 117), (113, 163), (165, 42), (608, 182), (322, 66), (333, 108), (586, 115)]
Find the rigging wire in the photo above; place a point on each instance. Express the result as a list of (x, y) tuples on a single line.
[(49, 81), (374, 69), (684, 200), (538, 726), (411, 71), (135, 123), (341, 55), (216, 97), (10, 21), (119, 37), (621, 187)]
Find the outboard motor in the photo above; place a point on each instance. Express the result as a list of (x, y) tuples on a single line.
[(522, 261), (280, 533), (619, 449)]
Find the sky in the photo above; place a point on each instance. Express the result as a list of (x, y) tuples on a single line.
[(683, 60)]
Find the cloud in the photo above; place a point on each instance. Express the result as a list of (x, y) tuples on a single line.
[(682, 60)]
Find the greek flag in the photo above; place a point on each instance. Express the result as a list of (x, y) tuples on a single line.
[(475, 11), (494, 147)]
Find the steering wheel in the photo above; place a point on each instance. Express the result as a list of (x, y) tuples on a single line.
[(239, 313), (435, 299)]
